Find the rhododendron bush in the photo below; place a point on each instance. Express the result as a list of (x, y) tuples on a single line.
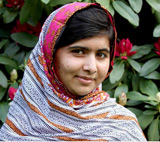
[(135, 79)]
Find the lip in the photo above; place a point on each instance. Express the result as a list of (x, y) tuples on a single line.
[(85, 80)]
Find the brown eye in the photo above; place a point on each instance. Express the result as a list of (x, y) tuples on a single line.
[(101, 55), (78, 51)]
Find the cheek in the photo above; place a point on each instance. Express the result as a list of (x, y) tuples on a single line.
[(71, 64), (58, 67), (103, 69), (65, 67), (60, 71), (61, 67)]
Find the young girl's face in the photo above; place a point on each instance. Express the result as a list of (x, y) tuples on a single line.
[(83, 65)]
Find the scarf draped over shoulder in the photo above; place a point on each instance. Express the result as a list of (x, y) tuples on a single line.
[(42, 110)]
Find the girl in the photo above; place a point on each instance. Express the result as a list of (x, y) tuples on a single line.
[(60, 97)]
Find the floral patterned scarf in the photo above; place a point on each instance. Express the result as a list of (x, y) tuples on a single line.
[(43, 110)]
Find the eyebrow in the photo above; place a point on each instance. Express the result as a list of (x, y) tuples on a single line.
[(86, 48), (104, 49)]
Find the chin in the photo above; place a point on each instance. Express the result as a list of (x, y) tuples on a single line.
[(82, 93)]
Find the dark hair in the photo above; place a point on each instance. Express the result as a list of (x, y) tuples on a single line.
[(88, 22)]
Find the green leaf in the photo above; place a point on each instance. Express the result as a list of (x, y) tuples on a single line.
[(31, 9), (20, 57), (148, 87), (45, 1), (107, 5), (120, 89), (4, 33), (2, 10), (15, 85), (9, 69), (133, 102), (145, 120), (111, 93), (127, 77), (126, 12), (155, 4), (153, 131), (117, 73), (54, 3), (3, 42), (9, 16), (156, 31), (149, 107), (136, 5), (152, 102), (111, 9), (36, 10), (25, 12), (153, 75), (107, 85), (141, 50), (135, 82), (12, 49), (150, 66), (4, 106), (27, 55), (25, 39), (150, 112), (7, 61), (136, 111), (104, 3), (2, 92), (159, 128), (133, 95), (151, 55), (157, 16), (47, 9), (3, 80), (134, 64)]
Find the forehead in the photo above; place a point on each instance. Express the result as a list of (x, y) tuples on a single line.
[(96, 42)]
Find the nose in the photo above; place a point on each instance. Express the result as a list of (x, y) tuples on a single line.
[(90, 64)]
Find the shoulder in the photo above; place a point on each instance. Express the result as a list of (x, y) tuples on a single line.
[(125, 122), (118, 109)]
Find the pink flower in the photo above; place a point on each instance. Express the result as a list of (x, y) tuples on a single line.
[(123, 49), (27, 28), (157, 46), (12, 92), (15, 3)]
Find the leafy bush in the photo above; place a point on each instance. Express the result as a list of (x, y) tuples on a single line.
[(134, 81), (135, 85)]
